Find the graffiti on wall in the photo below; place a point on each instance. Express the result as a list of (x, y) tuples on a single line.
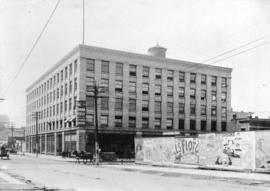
[(231, 150), (139, 149), (186, 150), (262, 150)]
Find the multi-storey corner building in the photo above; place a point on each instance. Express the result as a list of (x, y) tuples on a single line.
[(145, 95)]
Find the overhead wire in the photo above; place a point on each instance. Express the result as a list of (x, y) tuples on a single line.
[(31, 50), (193, 68)]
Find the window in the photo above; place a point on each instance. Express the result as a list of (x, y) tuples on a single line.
[(75, 84), (132, 122), (132, 70), (74, 102), (203, 125), (145, 105), (181, 108), (214, 111), (66, 72), (105, 67), (90, 81), (118, 86), (61, 107), (75, 66), (192, 125), (57, 77), (119, 69), (66, 87), (181, 124), (132, 88), (214, 81), (53, 110), (169, 107), (50, 85), (57, 94), (223, 112), (62, 76), (169, 123), (90, 65), (192, 93), (118, 104), (170, 91), (223, 96), (145, 122), (213, 125), (65, 105), (61, 91), (145, 89), (203, 95), (70, 86), (157, 90), (104, 103), (70, 69), (158, 73), (157, 107), (214, 95), (57, 108), (203, 79), (192, 109), (69, 103), (181, 92), (132, 105), (90, 119), (54, 80), (118, 121), (157, 123), (223, 126), (145, 72), (170, 75), (192, 78), (223, 82), (105, 86), (90, 102), (203, 110), (181, 76), (104, 120)]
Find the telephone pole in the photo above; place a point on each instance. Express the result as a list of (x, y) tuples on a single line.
[(12, 137), (97, 90), (36, 115)]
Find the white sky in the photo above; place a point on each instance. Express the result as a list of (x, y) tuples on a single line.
[(190, 29)]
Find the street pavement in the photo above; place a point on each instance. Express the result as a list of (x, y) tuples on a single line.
[(8, 183), (61, 175)]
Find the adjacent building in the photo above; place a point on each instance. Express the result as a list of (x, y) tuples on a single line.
[(141, 95)]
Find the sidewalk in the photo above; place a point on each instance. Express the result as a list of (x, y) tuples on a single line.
[(194, 171)]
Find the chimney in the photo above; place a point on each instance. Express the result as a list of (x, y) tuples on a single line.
[(157, 51)]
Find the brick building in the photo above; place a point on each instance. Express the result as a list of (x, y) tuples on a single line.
[(145, 95)]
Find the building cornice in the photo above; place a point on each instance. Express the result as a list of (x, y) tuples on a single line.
[(188, 64)]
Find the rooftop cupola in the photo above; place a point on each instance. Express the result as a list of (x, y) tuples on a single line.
[(157, 51)]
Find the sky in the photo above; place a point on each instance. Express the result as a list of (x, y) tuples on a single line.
[(191, 30)]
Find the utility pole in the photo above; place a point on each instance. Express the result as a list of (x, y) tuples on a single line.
[(35, 115), (83, 29), (12, 137), (96, 124), (97, 90)]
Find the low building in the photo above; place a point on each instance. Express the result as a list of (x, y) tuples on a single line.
[(142, 95)]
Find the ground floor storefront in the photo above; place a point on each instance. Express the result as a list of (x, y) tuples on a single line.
[(119, 142)]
